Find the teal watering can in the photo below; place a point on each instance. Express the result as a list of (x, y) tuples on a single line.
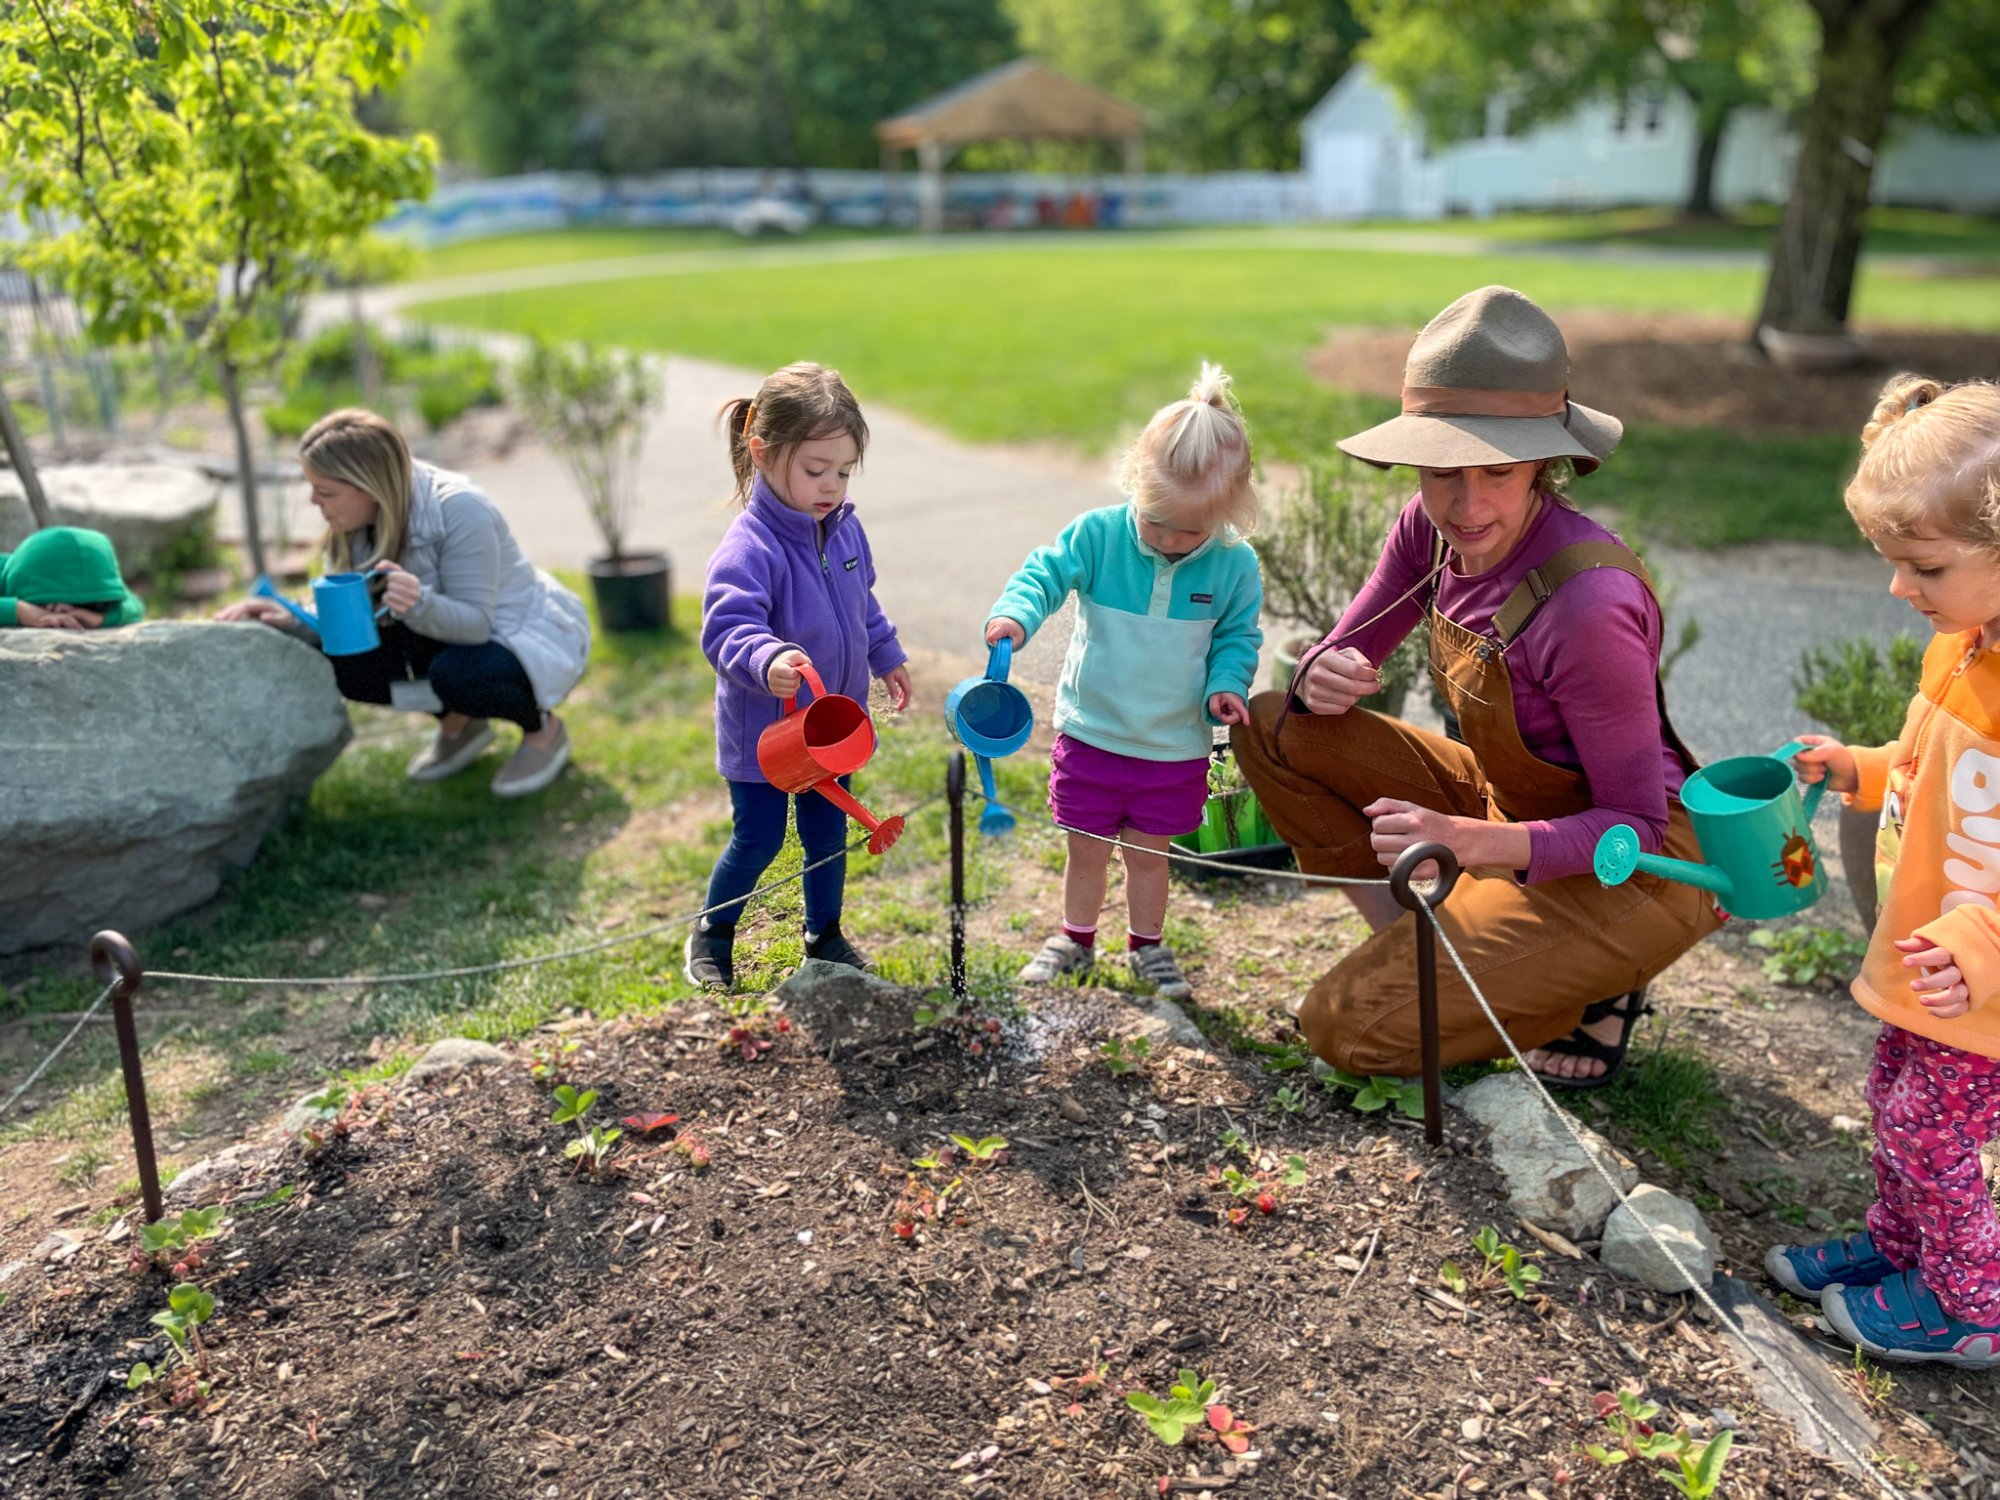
[(991, 718), (1755, 832), (346, 615)]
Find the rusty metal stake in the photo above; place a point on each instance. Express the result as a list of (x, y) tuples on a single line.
[(954, 790), (115, 961), (1427, 976)]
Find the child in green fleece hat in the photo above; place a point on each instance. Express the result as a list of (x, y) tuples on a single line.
[(65, 578)]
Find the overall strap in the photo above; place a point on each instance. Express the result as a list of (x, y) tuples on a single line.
[(1534, 590)]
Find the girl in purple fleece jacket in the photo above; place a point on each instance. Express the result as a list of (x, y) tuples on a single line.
[(791, 585)]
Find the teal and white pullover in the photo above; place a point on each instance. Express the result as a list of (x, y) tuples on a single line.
[(1154, 639)]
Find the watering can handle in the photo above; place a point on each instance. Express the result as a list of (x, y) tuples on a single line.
[(263, 588), (812, 681), (999, 659), (1817, 790)]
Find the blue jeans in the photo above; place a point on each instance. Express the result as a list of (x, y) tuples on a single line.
[(760, 833)]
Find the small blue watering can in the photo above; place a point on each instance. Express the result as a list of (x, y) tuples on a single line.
[(346, 617), (991, 718), (1755, 832)]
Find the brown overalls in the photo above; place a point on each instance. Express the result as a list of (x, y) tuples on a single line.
[(1540, 953)]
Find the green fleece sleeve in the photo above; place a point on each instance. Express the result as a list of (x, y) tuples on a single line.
[(1049, 576), (9, 614), (130, 611), (1232, 650)]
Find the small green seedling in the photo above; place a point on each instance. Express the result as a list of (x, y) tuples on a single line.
[(1693, 1469), (1186, 1406), (1372, 1094), (1697, 1471), (547, 1063), (593, 1142), (1290, 1101), (337, 1109), (983, 1149), (1126, 1054), (1806, 955), (1499, 1262), (188, 1307), (1234, 1142), (181, 1237)]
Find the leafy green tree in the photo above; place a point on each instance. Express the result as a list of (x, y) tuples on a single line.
[(200, 163), (524, 60), (1446, 58), (1936, 61)]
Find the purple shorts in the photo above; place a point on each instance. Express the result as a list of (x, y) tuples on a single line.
[(1101, 791)]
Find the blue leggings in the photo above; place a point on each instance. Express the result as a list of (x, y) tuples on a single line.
[(760, 834)]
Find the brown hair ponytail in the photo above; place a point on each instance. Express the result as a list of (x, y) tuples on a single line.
[(798, 404)]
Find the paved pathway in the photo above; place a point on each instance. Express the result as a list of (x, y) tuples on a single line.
[(949, 521)]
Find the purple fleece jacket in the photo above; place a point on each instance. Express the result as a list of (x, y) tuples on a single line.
[(782, 579)]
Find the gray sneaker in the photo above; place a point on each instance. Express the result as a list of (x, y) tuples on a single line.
[(533, 766), (1154, 964), (1060, 955), (448, 754)]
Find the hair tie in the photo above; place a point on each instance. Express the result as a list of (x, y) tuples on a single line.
[(1913, 403), (749, 411)]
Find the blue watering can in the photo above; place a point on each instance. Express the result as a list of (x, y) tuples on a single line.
[(991, 718), (346, 615)]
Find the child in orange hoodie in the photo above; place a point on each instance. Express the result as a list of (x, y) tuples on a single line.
[(1922, 1282)]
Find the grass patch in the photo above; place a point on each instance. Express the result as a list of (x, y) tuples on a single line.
[(1891, 231), (1664, 1101), (1081, 341)]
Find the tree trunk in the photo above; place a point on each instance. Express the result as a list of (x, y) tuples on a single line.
[(1701, 193), (1811, 281), (23, 462), (246, 464)]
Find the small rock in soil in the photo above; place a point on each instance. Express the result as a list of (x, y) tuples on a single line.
[(452, 1055)]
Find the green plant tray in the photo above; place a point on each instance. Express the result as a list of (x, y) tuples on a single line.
[(1233, 827)]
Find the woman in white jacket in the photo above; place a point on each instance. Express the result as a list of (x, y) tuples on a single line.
[(496, 637)]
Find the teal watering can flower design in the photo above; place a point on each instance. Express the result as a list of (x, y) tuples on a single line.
[(1755, 832), (346, 614), (991, 718)]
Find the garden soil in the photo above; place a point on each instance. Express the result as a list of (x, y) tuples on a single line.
[(443, 1305)]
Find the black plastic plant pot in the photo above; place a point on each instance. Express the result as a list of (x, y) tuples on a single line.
[(632, 591)]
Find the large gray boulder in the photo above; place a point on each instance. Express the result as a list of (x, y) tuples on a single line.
[(1549, 1178), (141, 507), (138, 765)]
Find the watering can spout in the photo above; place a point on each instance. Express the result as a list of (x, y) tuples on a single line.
[(263, 588), (1618, 857)]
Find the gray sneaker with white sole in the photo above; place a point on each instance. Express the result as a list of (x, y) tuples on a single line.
[(1060, 955), (1155, 964), (448, 754)]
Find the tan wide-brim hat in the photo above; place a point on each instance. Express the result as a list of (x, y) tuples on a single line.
[(1487, 382)]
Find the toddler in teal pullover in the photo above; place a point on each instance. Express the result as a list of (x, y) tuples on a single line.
[(1166, 639)]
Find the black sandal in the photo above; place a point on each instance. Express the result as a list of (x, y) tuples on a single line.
[(1628, 1008)]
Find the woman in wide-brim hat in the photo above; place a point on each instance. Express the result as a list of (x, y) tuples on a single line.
[(1545, 644)]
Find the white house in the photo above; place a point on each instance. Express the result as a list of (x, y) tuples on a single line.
[(1363, 160)]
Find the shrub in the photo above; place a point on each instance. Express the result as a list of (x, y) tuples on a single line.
[(1861, 696), (591, 405)]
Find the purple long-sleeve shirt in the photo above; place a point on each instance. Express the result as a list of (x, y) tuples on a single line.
[(1583, 672), (783, 579)]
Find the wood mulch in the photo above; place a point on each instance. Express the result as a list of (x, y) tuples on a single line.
[(1686, 371)]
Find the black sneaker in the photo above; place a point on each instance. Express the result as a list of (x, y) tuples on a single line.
[(710, 962), (834, 948)]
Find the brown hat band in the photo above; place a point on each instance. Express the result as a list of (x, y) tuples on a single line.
[(1468, 401)]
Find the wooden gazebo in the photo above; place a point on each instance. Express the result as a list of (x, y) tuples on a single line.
[(1024, 100)]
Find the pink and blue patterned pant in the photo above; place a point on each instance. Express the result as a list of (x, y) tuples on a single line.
[(1934, 1107)]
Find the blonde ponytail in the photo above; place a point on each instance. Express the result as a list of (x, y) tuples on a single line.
[(1930, 463), (1190, 468)]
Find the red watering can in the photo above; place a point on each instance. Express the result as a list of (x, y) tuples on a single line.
[(807, 748)]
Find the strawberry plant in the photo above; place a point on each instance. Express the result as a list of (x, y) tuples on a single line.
[(1186, 1406), (1290, 1101), (188, 1307), (1264, 1190), (1126, 1054), (1692, 1468), (1235, 1143), (690, 1145), (987, 1148), (337, 1110), (181, 1237), (1372, 1094), (546, 1064), (1499, 1263), (593, 1143)]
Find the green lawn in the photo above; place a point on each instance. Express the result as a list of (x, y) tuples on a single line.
[(1080, 341)]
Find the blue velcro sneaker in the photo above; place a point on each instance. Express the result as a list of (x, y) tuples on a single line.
[(1807, 1270), (1900, 1319)]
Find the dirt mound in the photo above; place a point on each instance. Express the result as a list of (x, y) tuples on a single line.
[(441, 1307), (1690, 371)]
